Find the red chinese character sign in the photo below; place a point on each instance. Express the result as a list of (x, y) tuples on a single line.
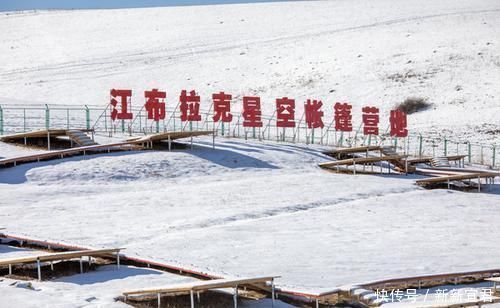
[(285, 112), (343, 117), (252, 114), (314, 115), (124, 100), (155, 104), (370, 120), (398, 124), (222, 107), (189, 106)]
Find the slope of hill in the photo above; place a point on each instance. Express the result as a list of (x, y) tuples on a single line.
[(361, 51)]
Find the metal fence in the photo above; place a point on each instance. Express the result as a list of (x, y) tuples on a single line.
[(15, 119)]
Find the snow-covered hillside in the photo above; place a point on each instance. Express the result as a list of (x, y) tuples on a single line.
[(247, 208), (362, 51)]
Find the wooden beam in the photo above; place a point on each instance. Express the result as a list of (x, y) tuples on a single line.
[(60, 256), (203, 285), (361, 160)]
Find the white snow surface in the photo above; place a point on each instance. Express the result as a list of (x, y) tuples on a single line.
[(360, 51), (249, 208)]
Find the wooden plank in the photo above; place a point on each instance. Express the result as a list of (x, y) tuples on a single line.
[(66, 152), (38, 134), (494, 279), (469, 176), (60, 256), (203, 285), (173, 136), (361, 160), (353, 150)]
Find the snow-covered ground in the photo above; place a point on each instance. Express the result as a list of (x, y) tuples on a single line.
[(250, 208), (360, 51)]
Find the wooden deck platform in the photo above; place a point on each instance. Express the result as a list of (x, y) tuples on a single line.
[(201, 286), (448, 179), (131, 144), (428, 159), (101, 148), (43, 133), (165, 136), (352, 150), (60, 256)]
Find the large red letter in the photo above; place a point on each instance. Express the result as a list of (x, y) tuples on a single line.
[(190, 103), (343, 117), (398, 124), (314, 114), (124, 101), (370, 120), (252, 115), (222, 107), (155, 104), (285, 112)]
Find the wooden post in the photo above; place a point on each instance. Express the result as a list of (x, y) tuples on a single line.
[(118, 259), (10, 269), (192, 299), (51, 265), (48, 140), (272, 292), (159, 300), (39, 269), (81, 265), (235, 297), (478, 184), (169, 144)]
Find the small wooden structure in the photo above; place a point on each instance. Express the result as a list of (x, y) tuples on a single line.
[(76, 136), (136, 143), (101, 148), (61, 256), (342, 153), (202, 286), (495, 281), (335, 165), (448, 179)]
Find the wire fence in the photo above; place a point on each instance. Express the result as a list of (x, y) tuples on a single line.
[(17, 119)]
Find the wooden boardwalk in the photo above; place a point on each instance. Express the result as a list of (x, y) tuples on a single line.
[(137, 143), (60, 256), (201, 286)]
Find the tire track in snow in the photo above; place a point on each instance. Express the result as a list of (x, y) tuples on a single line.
[(286, 210), (189, 52)]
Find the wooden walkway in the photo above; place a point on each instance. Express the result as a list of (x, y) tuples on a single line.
[(131, 144), (448, 179), (93, 149), (335, 165), (201, 286), (60, 256)]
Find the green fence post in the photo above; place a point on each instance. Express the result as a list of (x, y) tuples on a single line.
[(420, 145), (312, 136), (445, 147), (67, 118), (469, 151), (47, 117), (87, 117), (1, 120), (493, 158)]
